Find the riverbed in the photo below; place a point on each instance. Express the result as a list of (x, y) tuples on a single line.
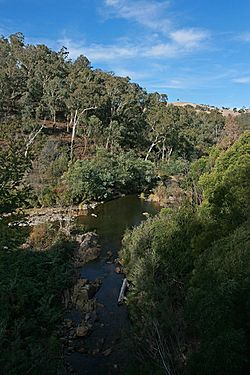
[(111, 331)]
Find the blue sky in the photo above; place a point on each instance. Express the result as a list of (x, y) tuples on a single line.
[(192, 50)]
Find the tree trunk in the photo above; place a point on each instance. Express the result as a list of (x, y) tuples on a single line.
[(154, 143), (75, 122), (169, 154), (163, 151), (73, 134), (54, 118), (122, 291), (31, 140), (69, 124)]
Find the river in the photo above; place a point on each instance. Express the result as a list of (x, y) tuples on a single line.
[(109, 220)]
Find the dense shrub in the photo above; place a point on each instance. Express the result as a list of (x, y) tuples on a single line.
[(106, 176), (175, 166), (31, 286), (189, 270)]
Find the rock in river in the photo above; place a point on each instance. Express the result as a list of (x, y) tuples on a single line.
[(88, 249), (82, 330)]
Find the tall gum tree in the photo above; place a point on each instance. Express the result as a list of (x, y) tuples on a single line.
[(84, 94)]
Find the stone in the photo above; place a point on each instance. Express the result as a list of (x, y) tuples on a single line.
[(80, 294), (82, 299), (79, 238), (82, 331), (91, 316), (118, 270), (88, 249), (90, 306), (68, 323)]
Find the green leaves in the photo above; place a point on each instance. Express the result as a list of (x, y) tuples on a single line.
[(189, 271), (106, 176), (30, 306), (13, 167)]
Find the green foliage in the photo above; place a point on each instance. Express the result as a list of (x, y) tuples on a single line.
[(13, 166), (47, 198), (189, 271), (173, 167), (225, 189), (105, 176), (11, 234), (30, 307), (109, 111), (158, 263), (218, 305)]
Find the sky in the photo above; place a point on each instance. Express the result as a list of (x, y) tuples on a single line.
[(192, 50)]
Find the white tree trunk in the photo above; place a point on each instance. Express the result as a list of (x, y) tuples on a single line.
[(73, 134), (75, 122), (153, 144), (31, 140)]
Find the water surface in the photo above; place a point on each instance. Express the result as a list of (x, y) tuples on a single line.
[(110, 220)]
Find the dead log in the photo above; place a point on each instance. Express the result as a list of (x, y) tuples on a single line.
[(122, 291)]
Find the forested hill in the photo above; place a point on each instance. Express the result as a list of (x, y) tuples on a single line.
[(62, 110)]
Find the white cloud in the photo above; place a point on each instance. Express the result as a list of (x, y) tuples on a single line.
[(242, 80), (162, 50), (189, 38), (171, 84), (146, 12), (98, 52), (161, 40), (164, 41), (120, 50)]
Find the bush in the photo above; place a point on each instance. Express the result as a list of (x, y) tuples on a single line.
[(106, 176), (47, 197), (189, 274), (30, 308), (173, 167)]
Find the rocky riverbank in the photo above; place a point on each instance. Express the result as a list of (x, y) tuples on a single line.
[(37, 216), (81, 305)]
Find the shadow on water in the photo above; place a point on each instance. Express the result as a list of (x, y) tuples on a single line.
[(110, 222)]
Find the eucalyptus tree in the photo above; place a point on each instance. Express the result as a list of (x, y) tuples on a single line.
[(84, 93), (45, 72), (155, 116), (12, 82), (123, 112)]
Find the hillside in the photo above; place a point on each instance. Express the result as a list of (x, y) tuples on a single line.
[(208, 108)]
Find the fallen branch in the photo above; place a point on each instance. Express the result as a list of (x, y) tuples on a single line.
[(122, 291)]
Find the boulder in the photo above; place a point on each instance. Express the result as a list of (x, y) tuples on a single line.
[(90, 306), (82, 330), (80, 294), (88, 249)]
